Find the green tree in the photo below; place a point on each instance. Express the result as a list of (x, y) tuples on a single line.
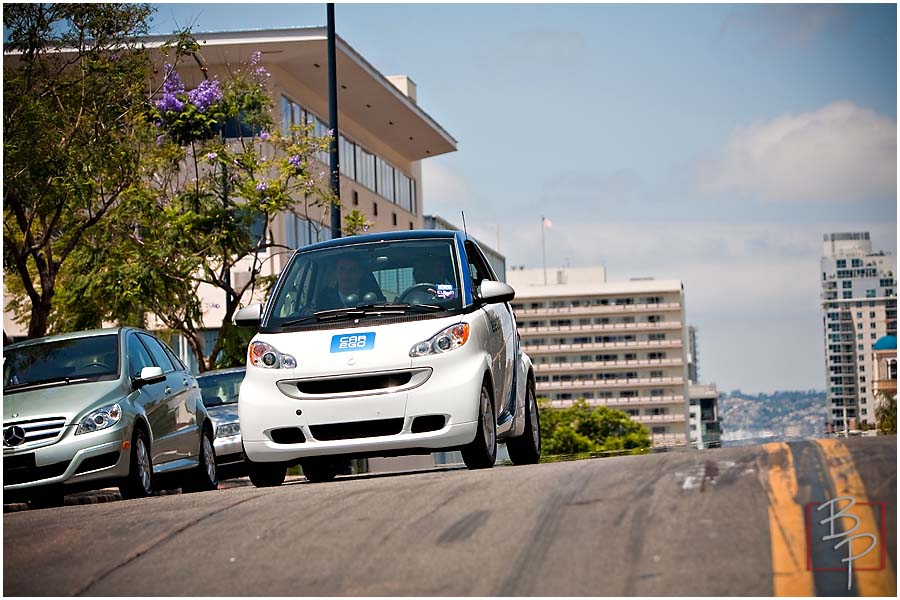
[(75, 92), (585, 429), (886, 413)]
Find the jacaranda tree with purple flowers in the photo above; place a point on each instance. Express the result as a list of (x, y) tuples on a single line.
[(209, 202)]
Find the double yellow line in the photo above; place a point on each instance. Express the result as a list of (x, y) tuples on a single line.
[(787, 521)]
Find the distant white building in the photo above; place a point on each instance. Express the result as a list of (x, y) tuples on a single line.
[(860, 306), (705, 425), (619, 344)]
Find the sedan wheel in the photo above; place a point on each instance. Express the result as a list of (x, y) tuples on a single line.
[(204, 477), (139, 481)]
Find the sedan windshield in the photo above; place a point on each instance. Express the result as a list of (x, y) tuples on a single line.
[(76, 360), (367, 281), (220, 388)]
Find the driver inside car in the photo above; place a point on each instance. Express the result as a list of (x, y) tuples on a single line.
[(353, 286)]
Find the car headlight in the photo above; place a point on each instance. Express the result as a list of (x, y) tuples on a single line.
[(100, 419), (448, 339), (228, 430), (265, 356)]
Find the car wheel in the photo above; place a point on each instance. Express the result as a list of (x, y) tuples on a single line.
[(319, 470), (139, 481), (205, 478), (526, 449), (481, 453), (266, 474)]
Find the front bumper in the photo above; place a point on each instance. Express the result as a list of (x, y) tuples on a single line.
[(450, 392), (73, 460), (229, 450)]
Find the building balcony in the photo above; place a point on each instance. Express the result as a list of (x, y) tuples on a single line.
[(671, 400), (533, 349), (597, 309), (655, 419), (575, 329), (606, 364), (565, 386)]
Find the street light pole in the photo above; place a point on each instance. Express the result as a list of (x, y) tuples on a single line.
[(333, 118)]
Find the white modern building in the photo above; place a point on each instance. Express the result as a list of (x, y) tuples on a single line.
[(705, 426), (618, 344), (860, 306)]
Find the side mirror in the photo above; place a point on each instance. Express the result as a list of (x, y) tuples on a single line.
[(249, 316), (495, 292), (149, 375)]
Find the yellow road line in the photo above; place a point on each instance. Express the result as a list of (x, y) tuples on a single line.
[(847, 482), (787, 525)]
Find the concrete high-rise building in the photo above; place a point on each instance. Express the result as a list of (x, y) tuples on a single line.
[(617, 344), (860, 306), (705, 426)]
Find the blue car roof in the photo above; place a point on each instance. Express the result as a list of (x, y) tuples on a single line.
[(387, 236)]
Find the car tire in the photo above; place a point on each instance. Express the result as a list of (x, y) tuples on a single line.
[(481, 453), (320, 470), (139, 481), (526, 449), (205, 477), (266, 474)]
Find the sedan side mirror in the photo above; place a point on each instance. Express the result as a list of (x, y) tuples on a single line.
[(495, 292), (149, 375), (249, 316)]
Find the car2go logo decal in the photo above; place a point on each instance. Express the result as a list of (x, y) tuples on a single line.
[(353, 343)]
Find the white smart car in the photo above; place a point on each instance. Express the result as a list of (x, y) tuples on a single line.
[(384, 345)]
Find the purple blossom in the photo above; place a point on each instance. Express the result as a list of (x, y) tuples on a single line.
[(264, 135), (172, 88), (255, 57), (205, 95), (211, 156), (331, 133), (296, 161), (262, 186), (160, 139)]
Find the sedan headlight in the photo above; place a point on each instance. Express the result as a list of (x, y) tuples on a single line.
[(448, 339), (265, 356), (228, 430), (100, 419)]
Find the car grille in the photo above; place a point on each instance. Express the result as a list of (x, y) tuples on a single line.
[(38, 430), (345, 385), (357, 429), (383, 382), (22, 469)]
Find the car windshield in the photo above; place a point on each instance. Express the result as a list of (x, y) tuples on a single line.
[(220, 388), (367, 281), (76, 360)]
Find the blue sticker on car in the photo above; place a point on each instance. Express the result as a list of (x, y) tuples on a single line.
[(354, 342)]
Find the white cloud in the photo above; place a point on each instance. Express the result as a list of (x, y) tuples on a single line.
[(841, 152)]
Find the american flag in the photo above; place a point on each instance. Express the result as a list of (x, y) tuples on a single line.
[(547, 222)]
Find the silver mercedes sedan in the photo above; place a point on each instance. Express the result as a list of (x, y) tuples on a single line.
[(105, 407)]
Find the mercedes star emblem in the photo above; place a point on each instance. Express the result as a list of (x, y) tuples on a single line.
[(13, 436)]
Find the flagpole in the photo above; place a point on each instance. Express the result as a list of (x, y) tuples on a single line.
[(543, 250)]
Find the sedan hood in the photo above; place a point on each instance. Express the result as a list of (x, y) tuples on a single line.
[(223, 413), (69, 401)]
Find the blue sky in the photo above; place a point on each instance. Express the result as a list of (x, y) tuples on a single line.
[(710, 143)]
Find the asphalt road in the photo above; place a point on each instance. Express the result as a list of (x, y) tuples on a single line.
[(719, 522)]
